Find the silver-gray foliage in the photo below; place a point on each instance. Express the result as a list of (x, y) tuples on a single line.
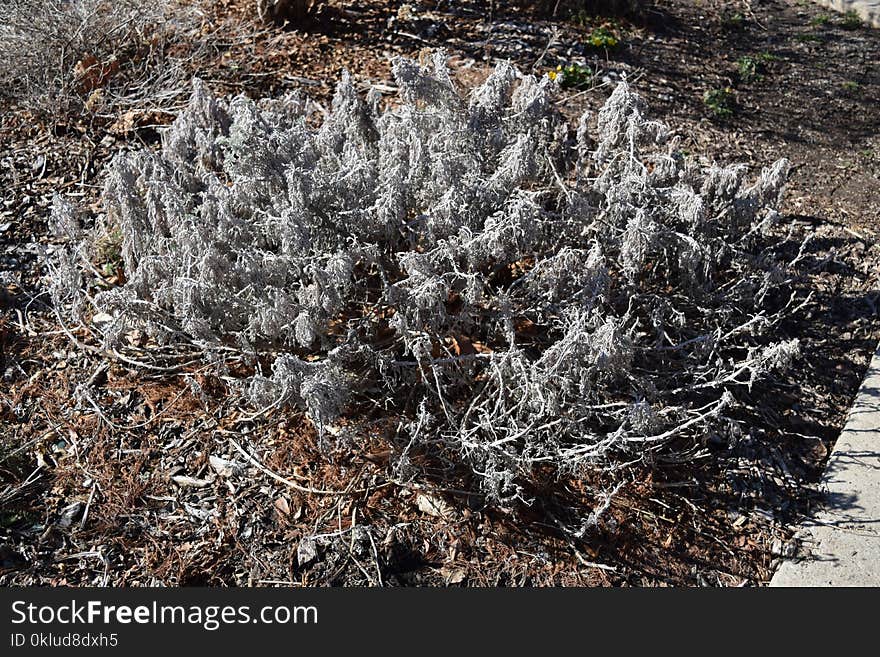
[(520, 294)]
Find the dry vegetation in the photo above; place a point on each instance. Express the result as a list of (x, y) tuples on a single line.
[(464, 325), (94, 57)]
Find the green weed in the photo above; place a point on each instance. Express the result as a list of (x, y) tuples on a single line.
[(572, 76), (719, 102)]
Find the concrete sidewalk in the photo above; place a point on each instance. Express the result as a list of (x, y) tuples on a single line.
[(843, 540)]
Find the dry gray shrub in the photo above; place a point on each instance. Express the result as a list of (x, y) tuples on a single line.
[(70, 56), (467, 264)]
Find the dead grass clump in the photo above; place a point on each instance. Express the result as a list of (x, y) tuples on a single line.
[(73, 57)]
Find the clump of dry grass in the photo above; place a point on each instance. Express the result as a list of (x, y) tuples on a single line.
[(74, 57)]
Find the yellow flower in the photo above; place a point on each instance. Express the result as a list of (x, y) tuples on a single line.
[(552, 75)]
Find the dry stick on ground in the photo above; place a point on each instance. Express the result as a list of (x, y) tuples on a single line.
[(554, 37), (287, 482)]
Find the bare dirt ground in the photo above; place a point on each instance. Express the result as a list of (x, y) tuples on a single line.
[(153, 484)]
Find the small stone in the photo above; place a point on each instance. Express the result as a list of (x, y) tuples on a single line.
[(224, 467), (306, 551), (101, 318), (69, 514), (191, 482)]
